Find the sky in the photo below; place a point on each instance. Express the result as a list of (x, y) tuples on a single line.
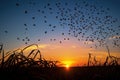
[(65, 30)]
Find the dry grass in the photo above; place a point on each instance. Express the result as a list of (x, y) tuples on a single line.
[(19, 58), (16, 65), (110, 60), (30, 56)]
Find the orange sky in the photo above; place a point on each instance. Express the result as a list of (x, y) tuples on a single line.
[(28, 24), (72, 54)]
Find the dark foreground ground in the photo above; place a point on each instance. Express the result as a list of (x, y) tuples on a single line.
[(61, 73)]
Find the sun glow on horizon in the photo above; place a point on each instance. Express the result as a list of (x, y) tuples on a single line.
[(67, 63), (67, 66)]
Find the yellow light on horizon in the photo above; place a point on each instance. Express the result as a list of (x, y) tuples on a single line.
[(67, 66), (67, 63)]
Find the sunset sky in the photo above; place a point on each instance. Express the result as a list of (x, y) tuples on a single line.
[(65, 30)]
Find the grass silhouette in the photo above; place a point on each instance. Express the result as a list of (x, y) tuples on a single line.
[(16, 65)]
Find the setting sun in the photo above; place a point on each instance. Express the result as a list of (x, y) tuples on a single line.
[(67, 64)]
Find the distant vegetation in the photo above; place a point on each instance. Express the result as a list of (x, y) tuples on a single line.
[(110, 60), (18, 58), (22, 64), (33, 58)]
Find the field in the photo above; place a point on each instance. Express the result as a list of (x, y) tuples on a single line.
[(62, 73), (44, 39), (15, 65)]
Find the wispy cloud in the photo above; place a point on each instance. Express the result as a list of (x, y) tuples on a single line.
[(48, 46), (74, 46), (88, 42), (43, 46), (114, 37)]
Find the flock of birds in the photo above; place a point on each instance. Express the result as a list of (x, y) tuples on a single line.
[(85, 21)]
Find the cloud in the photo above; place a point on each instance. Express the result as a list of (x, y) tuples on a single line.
[(114, 37), (88, 42), (55, 47), (43, 46), (48, 46), (74, 46)]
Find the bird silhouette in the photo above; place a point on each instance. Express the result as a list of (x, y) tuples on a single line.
[(6, 31), (17, 4), (26, 11), (82, 20)]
